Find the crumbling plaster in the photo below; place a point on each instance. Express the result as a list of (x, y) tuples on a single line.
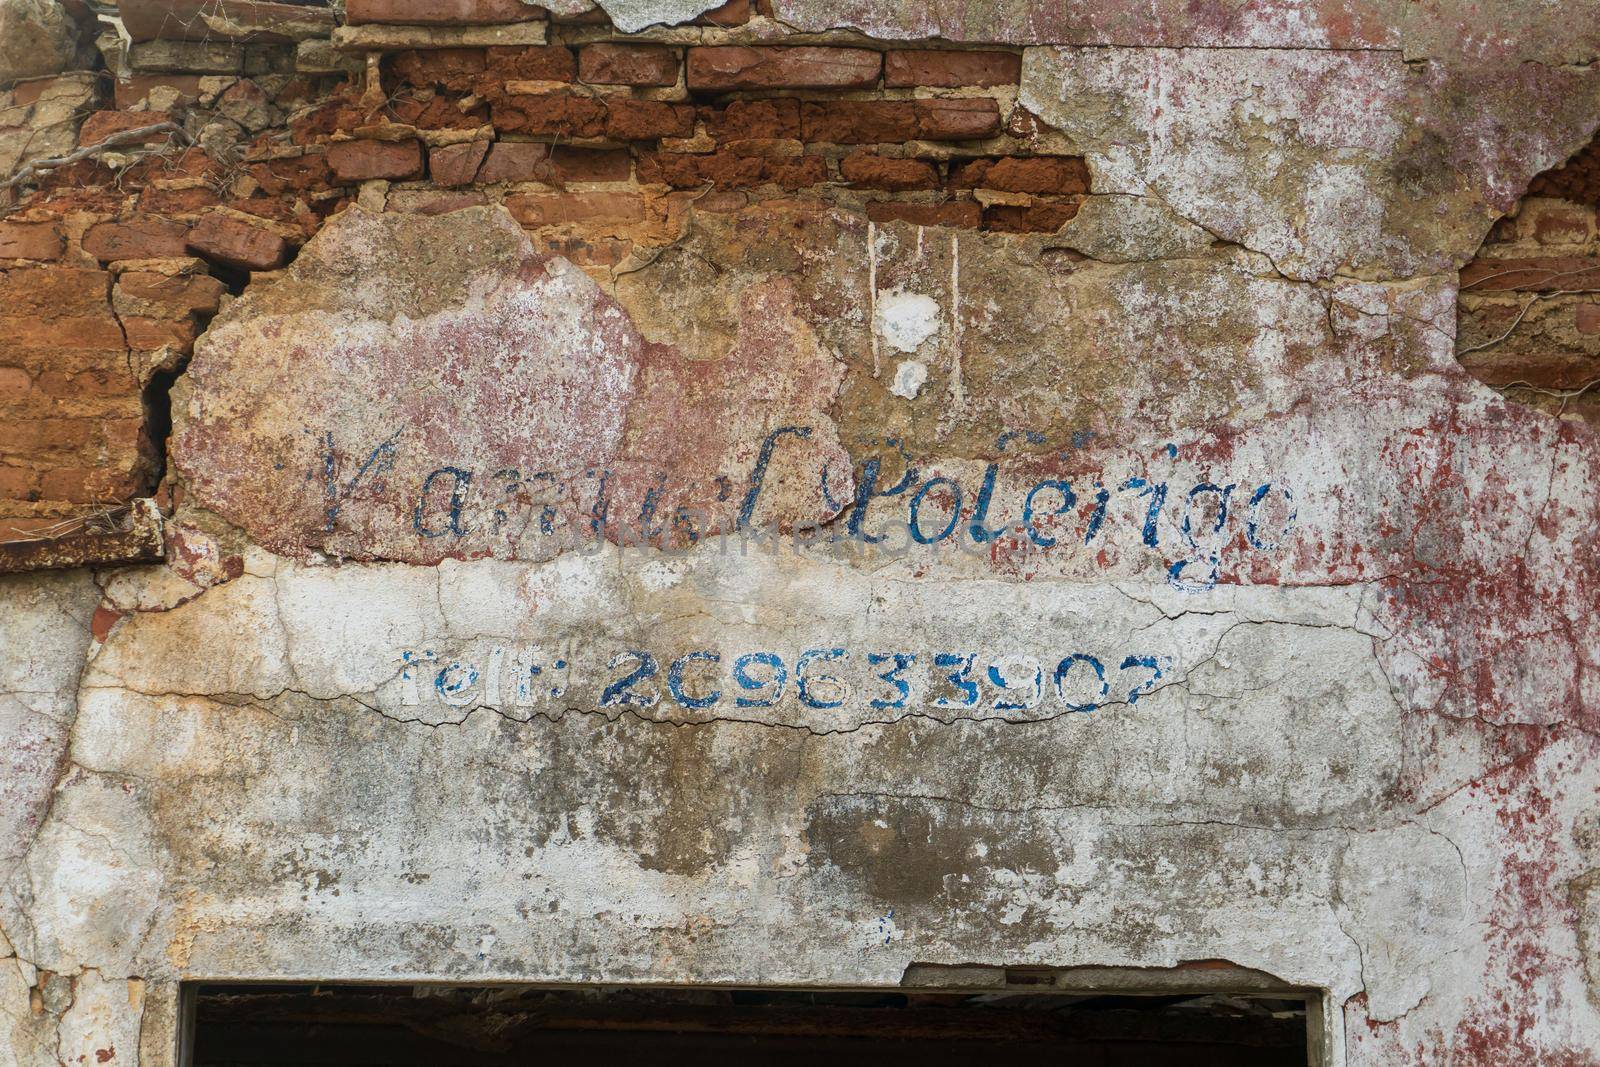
[(1366, 762)]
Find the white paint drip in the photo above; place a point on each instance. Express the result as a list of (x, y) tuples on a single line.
[(958, 392), (872, 290)]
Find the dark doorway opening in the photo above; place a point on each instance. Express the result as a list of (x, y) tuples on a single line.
[(401, 1026)]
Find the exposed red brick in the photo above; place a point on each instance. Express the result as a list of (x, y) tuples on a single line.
[(148, 335), (1030, 218), (86, 485), (437, 203), (1577, 180), (964, 213), (727, 67), (456, 164), (904, 68), (1050, 175), (235, 243), (880, 121), (30, 240), (293, 175), (448, 68), (440, 12), (591, 164), (753, 118), (436, 113), (1542, 274), (1559, 228), (17, 483), (871, 171), (646, 120), (766, 147), (628, 64), (179, 294), (356, 161), (102, 124), (178, 201), (556, 114), (1587, 318), (142, 238), (515, 161), (858, 121), (40, 438), (554, 209), (129, 91), (730, 170), (1543, 369), (546, 63), (957, 120)]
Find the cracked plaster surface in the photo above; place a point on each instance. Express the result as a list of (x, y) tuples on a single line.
[(1376, 740)]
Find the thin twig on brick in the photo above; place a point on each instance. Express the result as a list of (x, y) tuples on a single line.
[(38, 167)]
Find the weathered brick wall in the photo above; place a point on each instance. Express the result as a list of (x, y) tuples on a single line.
[(595, 143), (1161, 330), (1530, 300)]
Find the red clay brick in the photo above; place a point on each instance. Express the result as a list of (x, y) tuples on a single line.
[(727, 67), (84, 485), (236, 243), (858, 121), (148, 335), (178, 201), (591, 164), (293, 175), (45, 437), (180, 294), (456, 164), (16, 483), (1587, 318), (1543, 370), (729, 170), (744, 119), (647, 120), (356, 161), (871, 171), (1542, 274), (1056, 175), (440, 12), (550, 63), (144, 238), (102, 124), (556, 114), (880, 121), (957, 120), (904, 68), (554, 209), (1560, 229), (449, 68), (627, 64), (30, 240), (438, 203), (1030, 218), (515, 161)]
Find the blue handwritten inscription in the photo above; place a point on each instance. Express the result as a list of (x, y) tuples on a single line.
[(1189, 522), (826, 678)]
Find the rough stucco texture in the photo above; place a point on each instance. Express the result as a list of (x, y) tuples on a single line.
[(1217, 612)]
